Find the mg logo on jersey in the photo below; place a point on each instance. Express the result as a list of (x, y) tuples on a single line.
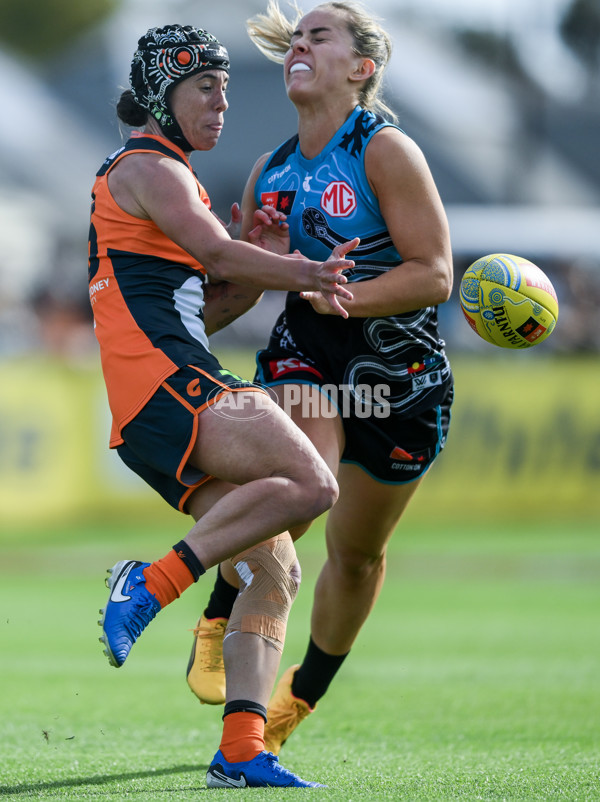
[(339, 199)]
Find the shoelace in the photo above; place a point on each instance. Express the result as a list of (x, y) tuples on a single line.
[(270, 758), (140, 614), (207, 659), (289, 715)]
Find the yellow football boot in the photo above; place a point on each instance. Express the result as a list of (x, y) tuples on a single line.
[(284, 713), (206, 671)]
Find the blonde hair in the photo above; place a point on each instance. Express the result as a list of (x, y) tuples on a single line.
[(272, 33)]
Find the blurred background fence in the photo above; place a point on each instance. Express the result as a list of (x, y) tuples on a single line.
[(503, 97)]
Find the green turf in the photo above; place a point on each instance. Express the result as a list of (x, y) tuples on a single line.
[(475, 678)]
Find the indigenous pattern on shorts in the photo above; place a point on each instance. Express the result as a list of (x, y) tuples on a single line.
[(328, 201), (146, 294)]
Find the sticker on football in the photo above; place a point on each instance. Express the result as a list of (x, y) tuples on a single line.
[(508, 301)]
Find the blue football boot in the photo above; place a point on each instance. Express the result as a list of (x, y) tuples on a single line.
[(129, 610), (263, 771)]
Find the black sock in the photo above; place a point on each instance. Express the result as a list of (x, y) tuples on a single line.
[(193, 564), (314, 676), (221, 599), (245, 706)]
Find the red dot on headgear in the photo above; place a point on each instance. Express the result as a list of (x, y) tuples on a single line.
[(183, 57)]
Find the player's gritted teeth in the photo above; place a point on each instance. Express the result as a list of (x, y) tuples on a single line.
[(298, 66)]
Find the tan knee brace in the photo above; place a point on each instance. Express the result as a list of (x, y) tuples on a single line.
[(270, 576)]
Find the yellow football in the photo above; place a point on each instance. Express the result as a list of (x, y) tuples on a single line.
[(508, 301)]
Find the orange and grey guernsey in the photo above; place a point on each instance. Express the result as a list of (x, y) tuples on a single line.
[(146, 294)]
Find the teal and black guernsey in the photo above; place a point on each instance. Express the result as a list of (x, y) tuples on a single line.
[(328, 201)]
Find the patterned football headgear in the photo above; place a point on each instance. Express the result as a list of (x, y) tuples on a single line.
[(164, 57)]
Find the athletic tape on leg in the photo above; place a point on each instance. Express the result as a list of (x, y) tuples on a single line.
[(270, 580)]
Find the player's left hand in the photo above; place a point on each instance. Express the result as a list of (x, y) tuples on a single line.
[(270, 231)]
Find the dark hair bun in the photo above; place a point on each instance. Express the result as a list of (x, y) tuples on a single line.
[(129, 111)]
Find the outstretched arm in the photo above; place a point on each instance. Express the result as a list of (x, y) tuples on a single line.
[(165, 191), (225, 301)]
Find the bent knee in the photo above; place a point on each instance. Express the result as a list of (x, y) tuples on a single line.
[(326, 493), (296, 577), (270, 579), (321, 492), (309, 496)]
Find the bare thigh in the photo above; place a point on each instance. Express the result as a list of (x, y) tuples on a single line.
[(253, 442)]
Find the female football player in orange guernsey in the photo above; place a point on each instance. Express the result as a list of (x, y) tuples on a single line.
[(154, 246), (382, 381)]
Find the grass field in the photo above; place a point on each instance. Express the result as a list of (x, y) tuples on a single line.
[(475, 678)]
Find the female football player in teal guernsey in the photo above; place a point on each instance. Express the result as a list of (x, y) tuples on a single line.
[(373, 392)]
